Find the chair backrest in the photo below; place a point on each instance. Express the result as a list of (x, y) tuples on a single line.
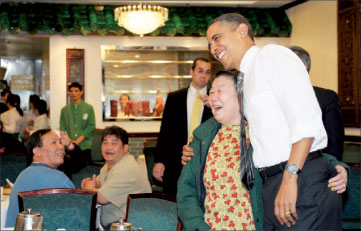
[(11, 167), (72, 209), (96, 151), (152, 211)]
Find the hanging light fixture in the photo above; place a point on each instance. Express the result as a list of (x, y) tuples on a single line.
[(141, 19)]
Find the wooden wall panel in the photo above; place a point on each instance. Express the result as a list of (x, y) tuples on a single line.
[(349, 61)]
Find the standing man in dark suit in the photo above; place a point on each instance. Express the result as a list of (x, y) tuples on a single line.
[(184, 111), (331, 111)]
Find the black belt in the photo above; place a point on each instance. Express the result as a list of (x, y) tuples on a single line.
[(268, 172)]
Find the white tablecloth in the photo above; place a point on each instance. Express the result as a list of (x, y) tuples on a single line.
[(4, 210)]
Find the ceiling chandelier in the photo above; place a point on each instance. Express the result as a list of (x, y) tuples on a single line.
[(141, 19)]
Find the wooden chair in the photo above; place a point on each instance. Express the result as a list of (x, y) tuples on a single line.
[(72, 209), (152, 211)]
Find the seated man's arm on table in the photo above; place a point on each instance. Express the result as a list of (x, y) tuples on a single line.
[(115, 190), (93, 184)]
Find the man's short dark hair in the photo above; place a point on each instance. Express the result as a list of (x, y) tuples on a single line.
[(234, 20), (42, 106), (198, 59), (303, 55), (35, 140), (34, 98), (119, 132), (5, 91), (76, 85)]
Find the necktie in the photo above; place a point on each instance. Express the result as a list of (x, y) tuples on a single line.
[(246, 169), (196, 114)]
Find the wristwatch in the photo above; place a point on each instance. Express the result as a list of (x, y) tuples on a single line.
[(293, 169)]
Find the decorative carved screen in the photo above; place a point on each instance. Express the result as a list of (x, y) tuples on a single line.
[(349, 61)]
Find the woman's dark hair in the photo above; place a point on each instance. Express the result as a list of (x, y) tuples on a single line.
[(33, 98), (14, 100), (116, 131), (230, 74), (42, 106), (35, 140), (5, 91)]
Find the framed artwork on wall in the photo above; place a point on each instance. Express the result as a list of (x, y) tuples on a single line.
[(74, 68)]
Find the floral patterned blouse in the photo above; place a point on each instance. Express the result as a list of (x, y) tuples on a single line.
[(227, 203)]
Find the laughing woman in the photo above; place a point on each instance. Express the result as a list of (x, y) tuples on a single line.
[(211, 193)]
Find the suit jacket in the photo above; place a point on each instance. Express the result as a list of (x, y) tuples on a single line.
[(172, 136), (332, 120)]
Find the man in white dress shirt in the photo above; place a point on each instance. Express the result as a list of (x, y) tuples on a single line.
[(285, 126)]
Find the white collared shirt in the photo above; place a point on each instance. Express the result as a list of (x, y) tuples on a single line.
[(40, 122), (12, 121), (280, 104), (192, 93)]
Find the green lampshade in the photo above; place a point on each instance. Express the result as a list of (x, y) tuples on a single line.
[(92, 18), (192, 20), (59, 24), (209, 19), (178, 23), (195, 29), (155, 33), (68, 31), (23, 24), (163, 30), (85, 29), (75, 11), (4, 21), (102, 30), (171, 31), (187, 31), (119, 30), (14, 30), (76, 25), (33, 27)]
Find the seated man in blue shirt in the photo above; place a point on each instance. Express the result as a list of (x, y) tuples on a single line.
[(48, 153)]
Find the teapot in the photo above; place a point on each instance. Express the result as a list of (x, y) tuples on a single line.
[(121, 225), (28, 220)]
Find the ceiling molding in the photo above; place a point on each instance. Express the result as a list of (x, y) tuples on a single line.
[(180, 3), (292, 4)]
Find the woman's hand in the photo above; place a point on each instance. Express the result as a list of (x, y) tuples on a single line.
[(339, 182)]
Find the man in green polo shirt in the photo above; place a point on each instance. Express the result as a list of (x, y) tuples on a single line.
[(78, 120)]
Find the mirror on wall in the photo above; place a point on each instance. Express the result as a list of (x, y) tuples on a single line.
[(137, 80)]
